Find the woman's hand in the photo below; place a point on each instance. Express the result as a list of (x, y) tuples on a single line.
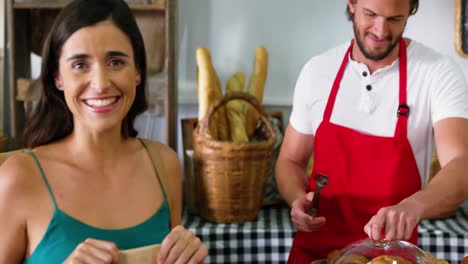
[(182, 246), (396, 222), (93, 251), (300, 219)]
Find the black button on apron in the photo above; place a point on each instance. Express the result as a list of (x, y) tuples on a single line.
[(369, 87), (364, 73)]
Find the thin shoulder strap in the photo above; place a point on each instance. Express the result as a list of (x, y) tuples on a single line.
[(158, 166), (43, 176)]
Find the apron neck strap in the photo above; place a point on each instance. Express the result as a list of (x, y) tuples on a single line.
[(403, 108), (336, 85)]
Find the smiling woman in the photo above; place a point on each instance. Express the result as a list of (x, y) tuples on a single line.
[(97, 74), (27, 29), (92, 178)]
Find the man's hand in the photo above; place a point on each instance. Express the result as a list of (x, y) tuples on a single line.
[(395, 222), (300, 219)]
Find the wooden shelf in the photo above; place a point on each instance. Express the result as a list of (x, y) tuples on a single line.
[(156, 5)]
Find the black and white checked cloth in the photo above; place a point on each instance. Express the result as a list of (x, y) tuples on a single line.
[(269, 238), (446, 238)]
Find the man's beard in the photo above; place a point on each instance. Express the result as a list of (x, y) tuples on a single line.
[(367, 53)]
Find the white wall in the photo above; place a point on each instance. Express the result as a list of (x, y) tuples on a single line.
[(292, 31)]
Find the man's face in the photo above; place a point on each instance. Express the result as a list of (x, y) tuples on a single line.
[(378, 25)]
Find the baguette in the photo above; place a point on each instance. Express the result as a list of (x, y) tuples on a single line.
[(256, 87), (234, 111), (237, 127), (235, 84), (209, 90)]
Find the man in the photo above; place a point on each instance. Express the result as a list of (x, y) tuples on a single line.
[(372, 111)]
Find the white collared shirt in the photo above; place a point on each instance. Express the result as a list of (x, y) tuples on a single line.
[(437, 89)]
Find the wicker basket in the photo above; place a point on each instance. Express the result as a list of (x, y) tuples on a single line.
[(230, 178)]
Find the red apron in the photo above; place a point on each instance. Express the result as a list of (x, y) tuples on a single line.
[(366, 173)]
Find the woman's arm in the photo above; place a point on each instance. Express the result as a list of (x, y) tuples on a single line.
[(13, 201), (172, 181), (180, 245)]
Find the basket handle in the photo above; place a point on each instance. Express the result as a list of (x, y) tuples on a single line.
[(204, 124)]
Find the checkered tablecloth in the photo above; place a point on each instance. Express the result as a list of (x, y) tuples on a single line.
[(269, 239), (446, 238)]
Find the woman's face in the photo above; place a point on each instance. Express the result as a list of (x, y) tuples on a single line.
[(98, 76)]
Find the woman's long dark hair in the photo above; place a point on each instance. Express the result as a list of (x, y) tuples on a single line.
[(51, 119)]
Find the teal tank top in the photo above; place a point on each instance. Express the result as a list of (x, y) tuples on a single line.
[(64, 232)]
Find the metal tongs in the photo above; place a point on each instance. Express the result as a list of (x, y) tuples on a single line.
[(320, 181)]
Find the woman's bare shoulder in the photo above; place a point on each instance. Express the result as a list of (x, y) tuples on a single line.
[(17, 175), (14, 200), (167, 154), (173, 177), (19, 190), (171, 162)]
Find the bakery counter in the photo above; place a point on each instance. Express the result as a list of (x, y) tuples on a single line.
[(269, 238)]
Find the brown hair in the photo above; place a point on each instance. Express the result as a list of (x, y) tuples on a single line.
[(51, 119), (414, 5)]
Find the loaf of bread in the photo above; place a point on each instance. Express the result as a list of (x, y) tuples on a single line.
[(235, 84), (332, 255), (234, 108), (237, 127), (464, 260), (209, 90), (384, 259), (256, 87), (352, 259)]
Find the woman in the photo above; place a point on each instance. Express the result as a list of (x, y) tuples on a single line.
[(90, 188)]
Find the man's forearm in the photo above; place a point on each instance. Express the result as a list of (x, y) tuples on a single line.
[(291, 180), (445, 192)]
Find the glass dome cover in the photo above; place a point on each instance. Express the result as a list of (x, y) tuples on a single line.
[(381, 252)]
